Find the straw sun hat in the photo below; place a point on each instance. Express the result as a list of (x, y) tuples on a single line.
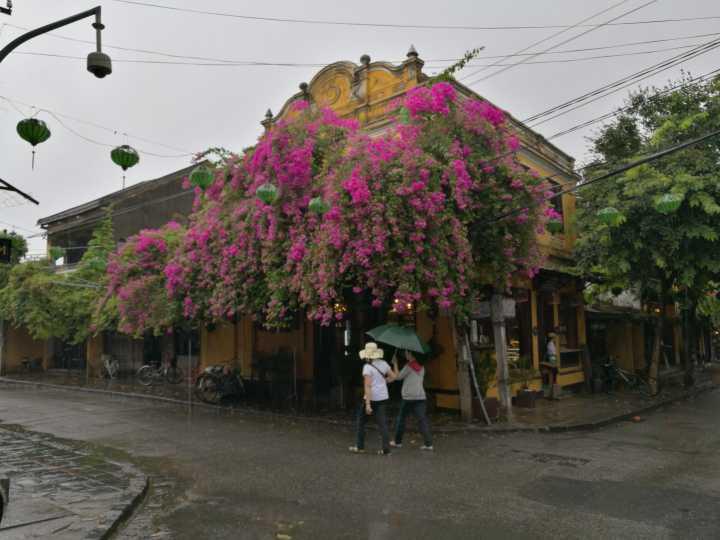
[(371, 351)]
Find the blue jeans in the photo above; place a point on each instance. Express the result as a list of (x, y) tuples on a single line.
[(417, 407), (380, 411)]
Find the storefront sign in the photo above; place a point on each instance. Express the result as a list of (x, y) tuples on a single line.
[(481, 310)]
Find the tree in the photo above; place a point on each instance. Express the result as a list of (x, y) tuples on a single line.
[(655, 228), (63, 306), (18, 249)]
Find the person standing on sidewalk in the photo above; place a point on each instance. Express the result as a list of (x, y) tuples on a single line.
[(413, 401), (376, 374)]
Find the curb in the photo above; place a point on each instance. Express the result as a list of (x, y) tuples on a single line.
[(128, 510), (494, 429)]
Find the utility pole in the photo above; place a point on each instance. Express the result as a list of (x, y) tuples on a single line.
[(497, 315)]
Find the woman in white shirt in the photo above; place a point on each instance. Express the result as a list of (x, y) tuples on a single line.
[(376, 374)]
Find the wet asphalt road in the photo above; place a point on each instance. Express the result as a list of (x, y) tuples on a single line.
[(239, 476)]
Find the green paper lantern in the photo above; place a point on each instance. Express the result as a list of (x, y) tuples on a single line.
[(555, 226), (202, 177), (267, 193), (125, 156), (668, 203), (33, 131), (611, 216), (318, 206)]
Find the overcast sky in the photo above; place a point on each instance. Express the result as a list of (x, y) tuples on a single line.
[(191, 107)]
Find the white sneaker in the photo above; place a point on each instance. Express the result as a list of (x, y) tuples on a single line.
[(395, 445), (428, 448)]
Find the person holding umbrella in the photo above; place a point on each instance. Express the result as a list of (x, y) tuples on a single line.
[(413, 401), (413, 374), (376, 374)]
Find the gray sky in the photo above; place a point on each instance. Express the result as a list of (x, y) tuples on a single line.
[(194, 107)]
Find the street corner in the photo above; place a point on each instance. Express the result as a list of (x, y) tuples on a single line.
[(65, 490)]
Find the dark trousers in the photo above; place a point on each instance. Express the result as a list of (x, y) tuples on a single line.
[(417, 407), (380, 412)]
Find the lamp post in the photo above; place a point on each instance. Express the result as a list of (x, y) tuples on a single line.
[(98, 63)]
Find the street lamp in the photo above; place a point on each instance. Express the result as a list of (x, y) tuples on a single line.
[(98, 63)]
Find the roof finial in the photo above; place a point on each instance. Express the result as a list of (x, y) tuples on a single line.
[(267, 122), (304, 89), (412, 53), (365, 59)]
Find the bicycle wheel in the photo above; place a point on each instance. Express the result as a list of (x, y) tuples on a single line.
[(146, 375), (208, 389), (174, 375)]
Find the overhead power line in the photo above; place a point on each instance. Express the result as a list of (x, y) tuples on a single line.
[(611, 114), (619, 170), (620, 84), (298, 65), (322, 64), (258, 18), (553, 36)]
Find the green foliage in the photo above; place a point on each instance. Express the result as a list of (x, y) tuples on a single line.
[(449, 72), (64, 305), (656, 253), (18, 249)]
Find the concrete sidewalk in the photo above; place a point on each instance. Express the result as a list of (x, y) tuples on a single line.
[(64, 490), (576, 411)]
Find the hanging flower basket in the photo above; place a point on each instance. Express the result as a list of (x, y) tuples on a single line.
[(610, 216), (267, 193), (555, 226), (202, 177), (668, 203), (318, 206), (33, 131)]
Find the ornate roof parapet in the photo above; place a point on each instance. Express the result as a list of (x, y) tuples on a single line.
[(361, 91)]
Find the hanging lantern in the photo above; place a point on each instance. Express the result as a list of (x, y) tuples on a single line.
[(668, 203), (125, 156), (318, 206), (555, 226), (33, 131), (611, 216), (267, 193), (202, 177)]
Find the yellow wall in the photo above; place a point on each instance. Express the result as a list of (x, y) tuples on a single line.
[(218, 346), (18, 345)]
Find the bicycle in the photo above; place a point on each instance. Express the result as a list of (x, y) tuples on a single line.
[(630, 380), (110, 367), (156, 373), (219, 383)]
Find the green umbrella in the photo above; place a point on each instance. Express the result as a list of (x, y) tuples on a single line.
[(400, 337)]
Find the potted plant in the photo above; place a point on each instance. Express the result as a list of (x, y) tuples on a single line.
[(524, 373)]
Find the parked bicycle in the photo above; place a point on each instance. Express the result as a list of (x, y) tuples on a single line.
[(110, 368), (629, 380), (31, 364), (219, 383), (156, 373)]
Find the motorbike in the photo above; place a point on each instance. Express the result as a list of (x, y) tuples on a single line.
[(219, 383)]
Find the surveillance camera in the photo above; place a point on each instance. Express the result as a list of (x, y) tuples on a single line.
[(99, 64)]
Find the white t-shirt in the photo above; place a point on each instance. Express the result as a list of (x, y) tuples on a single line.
[(378, 387), (551, 351)]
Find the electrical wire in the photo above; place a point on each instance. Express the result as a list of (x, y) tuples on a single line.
[(620, 84), (57, 116), (271, 64), (394, 25), (543, 40), (619, 111), (17, 227), (230, 61)]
